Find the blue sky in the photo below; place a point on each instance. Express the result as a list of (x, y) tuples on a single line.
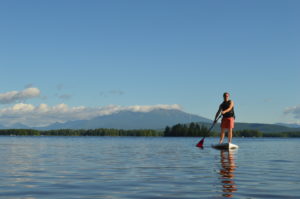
[(99, 54)]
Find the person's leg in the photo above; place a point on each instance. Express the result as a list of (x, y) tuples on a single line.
[(222, 135), (229, 135)]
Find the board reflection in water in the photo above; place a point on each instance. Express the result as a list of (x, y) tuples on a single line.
[(228, 167)]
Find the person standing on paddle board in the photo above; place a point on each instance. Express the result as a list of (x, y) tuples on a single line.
[(227, 111)]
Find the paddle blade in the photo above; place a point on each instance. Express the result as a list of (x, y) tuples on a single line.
[(200, 143)]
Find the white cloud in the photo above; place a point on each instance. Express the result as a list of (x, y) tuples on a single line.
[(150, 108), (22, 108), (44, 114), (295, 111), (16, 96)]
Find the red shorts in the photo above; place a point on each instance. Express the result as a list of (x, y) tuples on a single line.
[(227, 123)]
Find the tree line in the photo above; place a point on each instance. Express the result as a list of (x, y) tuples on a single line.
[(80, 132), (196, 130), (186, 130), (178, 130)]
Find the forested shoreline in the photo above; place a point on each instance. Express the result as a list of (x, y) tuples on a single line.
[(178, 130), (80, 132), (196, 130)]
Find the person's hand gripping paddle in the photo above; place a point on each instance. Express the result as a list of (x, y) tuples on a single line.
[(200, 143)]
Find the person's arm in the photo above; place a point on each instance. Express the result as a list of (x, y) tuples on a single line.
[(229, 108)]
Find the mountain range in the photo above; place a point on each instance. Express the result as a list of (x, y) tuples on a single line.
[(289, 125), (155, 119)]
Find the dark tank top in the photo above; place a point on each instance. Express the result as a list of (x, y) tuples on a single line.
[(224, 106)]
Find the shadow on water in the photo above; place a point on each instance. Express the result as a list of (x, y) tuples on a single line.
[(226, 172)]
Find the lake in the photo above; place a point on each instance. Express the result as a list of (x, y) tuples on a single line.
[(147, 167)]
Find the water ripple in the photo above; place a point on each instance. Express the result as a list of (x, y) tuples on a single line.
[(123, 167)]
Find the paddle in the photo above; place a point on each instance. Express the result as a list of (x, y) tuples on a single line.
[(200, 143)]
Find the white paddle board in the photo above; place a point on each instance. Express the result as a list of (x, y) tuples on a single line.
[(225, 146)]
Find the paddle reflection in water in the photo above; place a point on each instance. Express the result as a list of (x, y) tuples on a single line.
[(227, 172)]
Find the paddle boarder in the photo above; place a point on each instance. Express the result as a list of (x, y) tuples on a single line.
[(226, 108)]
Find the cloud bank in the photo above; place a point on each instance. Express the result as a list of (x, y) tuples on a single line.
[(17, 96), (43, 114)]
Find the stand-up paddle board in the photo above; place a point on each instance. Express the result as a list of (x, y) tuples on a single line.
[(225, 146)]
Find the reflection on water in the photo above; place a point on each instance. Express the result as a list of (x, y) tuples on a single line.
[(144, 168), (228, 167)]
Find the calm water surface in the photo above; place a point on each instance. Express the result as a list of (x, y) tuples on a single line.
[(134, 167)]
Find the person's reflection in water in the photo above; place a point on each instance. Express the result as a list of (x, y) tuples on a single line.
[(227, 172)]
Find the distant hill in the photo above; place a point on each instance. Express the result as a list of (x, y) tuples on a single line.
[(2, 127), (155, 119), (265, 128), (289, 125), (17, 126)]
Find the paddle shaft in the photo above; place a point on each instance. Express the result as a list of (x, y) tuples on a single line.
[(200, 143), (213, 124)]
